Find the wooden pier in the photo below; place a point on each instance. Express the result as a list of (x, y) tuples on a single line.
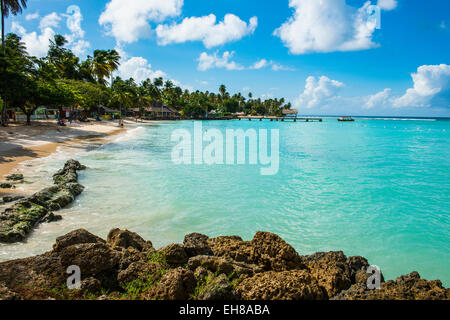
[(282, 119)]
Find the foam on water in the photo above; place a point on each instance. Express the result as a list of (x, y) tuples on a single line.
[(372, 188)]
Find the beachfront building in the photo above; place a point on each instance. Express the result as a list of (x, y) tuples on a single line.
[(108, 113), (290, 112), (158, 111), (41, 113)]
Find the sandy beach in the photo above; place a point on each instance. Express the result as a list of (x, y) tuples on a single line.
[(19, 143)]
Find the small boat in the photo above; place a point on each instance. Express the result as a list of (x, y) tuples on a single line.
[(346, 119)]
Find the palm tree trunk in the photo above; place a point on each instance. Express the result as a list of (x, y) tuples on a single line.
[(4, 55)]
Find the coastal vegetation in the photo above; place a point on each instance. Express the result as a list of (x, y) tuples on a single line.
[(62, 80)]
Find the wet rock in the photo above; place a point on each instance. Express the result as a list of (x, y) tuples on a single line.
[(196, 244), (138, 270), (174, 254), (176, 284), (69, 173), (15, 177), (220, 288), (7, 186), (57, 197), (124, 239), (284, 285), (51, 218), (17, 221), (76, 237), (8, 199)]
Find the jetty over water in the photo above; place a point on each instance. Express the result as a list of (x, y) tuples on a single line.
[(282, 119)]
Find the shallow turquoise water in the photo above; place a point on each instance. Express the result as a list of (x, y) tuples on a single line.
[(376, 188)]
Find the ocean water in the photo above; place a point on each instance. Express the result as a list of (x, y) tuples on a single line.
[(379, 188)]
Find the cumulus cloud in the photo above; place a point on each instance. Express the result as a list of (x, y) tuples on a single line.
[(74, 18), (80, 47), (32, 16), (378, 100), (206, 61), (206, 29), (318, 91), (50, 21), (387, 4), (329, 25), (260, 64), (127, 21), (37, 44), (139, 69), (430, 82), (263, 63)]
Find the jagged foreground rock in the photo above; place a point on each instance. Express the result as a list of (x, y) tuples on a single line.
[(125, 266), (19, 219)]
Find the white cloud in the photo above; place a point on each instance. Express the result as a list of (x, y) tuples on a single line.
[(206, 61), (263, 63), (32, 16), (279, 67), (37, 44), (260, 64), (387, 4), (74, 18), (430, 82), (79, 47), (379, 99), (127, 21), (50, 21), (318, 92), (206, 29), (139, 69), (327, 26)]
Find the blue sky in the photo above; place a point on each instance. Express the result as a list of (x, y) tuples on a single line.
[(326, 57)]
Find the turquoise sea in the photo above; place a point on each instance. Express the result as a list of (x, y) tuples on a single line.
[(377, 187)]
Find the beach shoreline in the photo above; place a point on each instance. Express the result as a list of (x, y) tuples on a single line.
[(20, 143)]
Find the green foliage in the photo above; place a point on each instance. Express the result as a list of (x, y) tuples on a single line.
[(61, 79), (135, 289)]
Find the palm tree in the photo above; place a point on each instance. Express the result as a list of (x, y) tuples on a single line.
[(100, 67), (7, 7), (124, 99), (113, 61)]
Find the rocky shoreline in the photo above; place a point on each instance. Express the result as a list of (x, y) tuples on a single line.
[(125, 266), (17, 221)]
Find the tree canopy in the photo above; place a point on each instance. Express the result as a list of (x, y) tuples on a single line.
[(61, 79)]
